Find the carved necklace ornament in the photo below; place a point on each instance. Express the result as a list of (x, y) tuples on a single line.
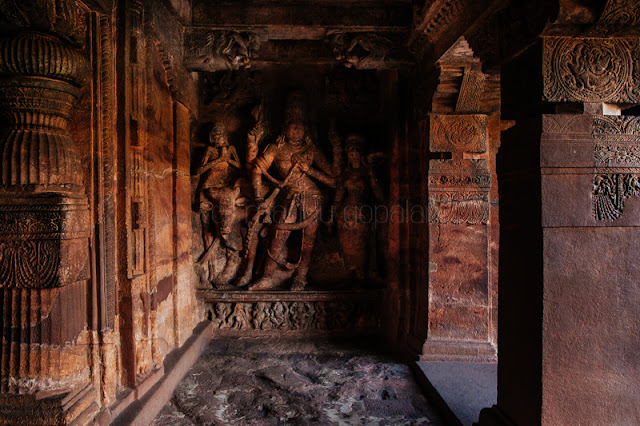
[(610, 193), (471, 208)]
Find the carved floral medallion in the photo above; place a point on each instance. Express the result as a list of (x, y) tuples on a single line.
[(590, 70)]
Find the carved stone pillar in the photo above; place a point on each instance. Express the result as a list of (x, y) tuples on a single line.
[(569, 289), (460, 299), (44, 234)]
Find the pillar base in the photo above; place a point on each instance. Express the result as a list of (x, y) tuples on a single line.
[(77, 406), (458, 351)]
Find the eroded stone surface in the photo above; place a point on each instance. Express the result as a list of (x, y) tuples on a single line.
[(256, 381)]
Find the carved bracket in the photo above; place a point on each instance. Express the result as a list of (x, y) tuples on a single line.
[(220, 50), (619, 17), (63, 17), (362, 50)]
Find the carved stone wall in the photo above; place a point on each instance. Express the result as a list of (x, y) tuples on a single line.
[(157, 302)]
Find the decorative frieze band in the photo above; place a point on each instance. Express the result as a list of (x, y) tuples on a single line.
[(458, 191), (458, 174), (290, 315)]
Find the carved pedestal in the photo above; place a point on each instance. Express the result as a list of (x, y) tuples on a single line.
[(44, 236)]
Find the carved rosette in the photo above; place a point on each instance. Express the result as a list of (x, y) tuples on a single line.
[(459, 191), (44, 217), (591, 69)]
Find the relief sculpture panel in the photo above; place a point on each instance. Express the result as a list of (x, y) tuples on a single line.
[(275, 207), (591, 69)]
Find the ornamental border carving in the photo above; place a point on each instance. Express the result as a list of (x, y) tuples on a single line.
[(471, 208), (463, 174), (288, 315)]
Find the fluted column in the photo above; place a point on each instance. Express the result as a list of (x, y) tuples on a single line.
[(44, 234)]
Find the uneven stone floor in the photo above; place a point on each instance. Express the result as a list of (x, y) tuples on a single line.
[(271, 381)]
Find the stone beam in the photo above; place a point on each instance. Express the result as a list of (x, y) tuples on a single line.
[(303, 20), (438, 24), (218, 50)]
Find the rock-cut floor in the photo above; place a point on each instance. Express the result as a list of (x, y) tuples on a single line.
[(241, 381)]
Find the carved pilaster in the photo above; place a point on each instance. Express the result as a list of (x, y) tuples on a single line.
[(459, 304)]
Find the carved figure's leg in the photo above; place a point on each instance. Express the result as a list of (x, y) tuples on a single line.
[(309, 206), (276, 245)]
